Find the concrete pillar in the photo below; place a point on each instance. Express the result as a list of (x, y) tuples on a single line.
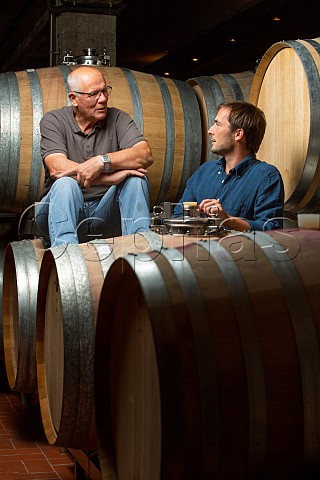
[(81, 26), (79, 31)]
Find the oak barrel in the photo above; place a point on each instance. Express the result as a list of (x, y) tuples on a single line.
[(210, 92), (2, 252), (19, 309), (165, 110), (70, 282), (286, 86), (209, 367)]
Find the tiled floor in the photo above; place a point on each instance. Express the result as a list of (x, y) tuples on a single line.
[(24, 451)]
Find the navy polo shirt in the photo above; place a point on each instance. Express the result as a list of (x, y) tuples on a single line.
[(253, 190)]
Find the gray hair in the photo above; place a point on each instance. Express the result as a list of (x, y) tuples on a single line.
[(73, 82)]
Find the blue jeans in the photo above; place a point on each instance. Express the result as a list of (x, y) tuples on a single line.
[(63, 217)]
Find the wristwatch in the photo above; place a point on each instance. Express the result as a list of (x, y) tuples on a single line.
[(106, 162)]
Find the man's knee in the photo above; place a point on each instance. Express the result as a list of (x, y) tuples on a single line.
[(65, 185), (137, 183)]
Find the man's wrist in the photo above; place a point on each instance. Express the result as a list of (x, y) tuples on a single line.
[(106, 160)]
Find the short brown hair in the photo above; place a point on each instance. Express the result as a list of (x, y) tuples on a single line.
[(248, 117)]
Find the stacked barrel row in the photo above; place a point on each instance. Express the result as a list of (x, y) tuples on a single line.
[(175, 116), (207, 361), (166, 111), (178, 357)]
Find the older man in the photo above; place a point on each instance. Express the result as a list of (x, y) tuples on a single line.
[(95, 162)]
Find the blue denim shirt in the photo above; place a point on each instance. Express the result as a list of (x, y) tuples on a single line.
[(253, 190)]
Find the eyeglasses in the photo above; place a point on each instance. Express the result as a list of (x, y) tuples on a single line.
[(95, 95)]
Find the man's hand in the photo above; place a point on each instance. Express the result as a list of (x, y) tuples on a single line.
[(85, 173), (213, 206)]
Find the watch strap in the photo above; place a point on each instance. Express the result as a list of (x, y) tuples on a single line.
[(107, 162)]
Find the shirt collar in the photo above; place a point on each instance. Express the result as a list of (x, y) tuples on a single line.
[(75, 126), (242, 166), (100, 124)]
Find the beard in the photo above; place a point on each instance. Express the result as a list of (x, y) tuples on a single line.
[(223, 147)]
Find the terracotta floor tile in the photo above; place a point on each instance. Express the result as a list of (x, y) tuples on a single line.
[(37, 476), (20, 455), (42, 476), (25, 453), (2, 428), (13, 423), (13, 398), (66, 472), (25, 444), (6, 409), (5, 443), (11, 476), (61, 461), (53, 453), (13, 466), (37, 466)]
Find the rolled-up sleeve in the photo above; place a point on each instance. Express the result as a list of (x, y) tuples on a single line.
[(53, 139)]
